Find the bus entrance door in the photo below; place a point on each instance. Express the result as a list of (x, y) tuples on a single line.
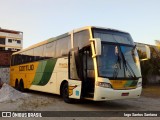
[(75, 83)]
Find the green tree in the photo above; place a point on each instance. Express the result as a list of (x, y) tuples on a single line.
[(151, 66)]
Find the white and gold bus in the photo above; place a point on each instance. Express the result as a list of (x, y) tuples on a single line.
[(88, 63)]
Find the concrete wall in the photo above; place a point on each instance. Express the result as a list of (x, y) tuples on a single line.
[(5, 57), (5, 74)]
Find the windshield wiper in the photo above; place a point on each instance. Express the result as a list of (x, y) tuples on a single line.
[(117, 67), (129, 68)]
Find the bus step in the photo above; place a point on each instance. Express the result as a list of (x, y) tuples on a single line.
[(87, 98), (90, 95)]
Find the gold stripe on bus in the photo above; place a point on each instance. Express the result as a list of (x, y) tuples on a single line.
[(26, 72)]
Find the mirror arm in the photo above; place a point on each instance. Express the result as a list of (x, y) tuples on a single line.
[(144, 59), (97, 46), (94, 54)]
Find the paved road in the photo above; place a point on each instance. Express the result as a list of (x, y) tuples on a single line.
[(47, 102)]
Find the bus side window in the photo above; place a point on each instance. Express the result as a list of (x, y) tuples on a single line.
[(23, 57), (12, 60), (19, 59), (16, 59), (81, 39), (63, 46), (29, 54), (49, 50), (38, 53)]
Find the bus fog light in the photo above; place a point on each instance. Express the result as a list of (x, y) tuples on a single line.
[(139, 84), (104, 84)]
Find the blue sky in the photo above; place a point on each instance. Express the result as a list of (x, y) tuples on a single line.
[(43, 19)]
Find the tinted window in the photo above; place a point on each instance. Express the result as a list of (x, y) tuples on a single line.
[(29, 56), (49, 50), (18, 41), (12, 59), (9, 49), (63, 46), (2, 41), (113, 36), (23, 57), (10, 40), (19, 59), (81, 39), (16, 59), (38, 53)]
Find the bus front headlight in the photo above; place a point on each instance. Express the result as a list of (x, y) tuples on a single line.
[(139, 84), (104, 84)]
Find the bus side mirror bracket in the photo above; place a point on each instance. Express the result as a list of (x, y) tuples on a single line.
[(97, 44), (146, 52)]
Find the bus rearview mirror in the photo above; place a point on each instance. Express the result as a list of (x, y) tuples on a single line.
[(97, 44), (148, 52), (144, 52)]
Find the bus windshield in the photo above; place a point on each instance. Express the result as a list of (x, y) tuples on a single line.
[(118, 61), (113, 36)]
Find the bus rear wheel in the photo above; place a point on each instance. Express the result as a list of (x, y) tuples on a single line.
[(65, 94), (16, 85), (21, 85)]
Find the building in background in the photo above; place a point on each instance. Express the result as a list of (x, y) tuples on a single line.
[(10, 41)]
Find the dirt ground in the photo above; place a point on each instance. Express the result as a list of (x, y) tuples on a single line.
[(38, 101), (151, 91)]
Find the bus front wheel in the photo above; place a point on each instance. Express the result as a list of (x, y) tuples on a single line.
[(65, 94)]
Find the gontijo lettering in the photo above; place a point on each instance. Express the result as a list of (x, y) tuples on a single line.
[(26, 67)]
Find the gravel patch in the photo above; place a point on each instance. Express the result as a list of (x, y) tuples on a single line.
[(8, 93)]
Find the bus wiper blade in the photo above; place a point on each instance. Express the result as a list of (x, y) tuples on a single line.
[(132, 72), (134, 47), (117, 67), (129, 68)]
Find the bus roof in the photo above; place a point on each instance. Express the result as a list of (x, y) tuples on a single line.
[(66, 34), (88, 27)]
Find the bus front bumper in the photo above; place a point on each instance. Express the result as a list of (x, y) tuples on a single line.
[(102, 94)]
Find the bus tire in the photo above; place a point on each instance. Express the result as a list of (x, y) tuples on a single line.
[(65, 94), (21, 86), (16, 84)]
